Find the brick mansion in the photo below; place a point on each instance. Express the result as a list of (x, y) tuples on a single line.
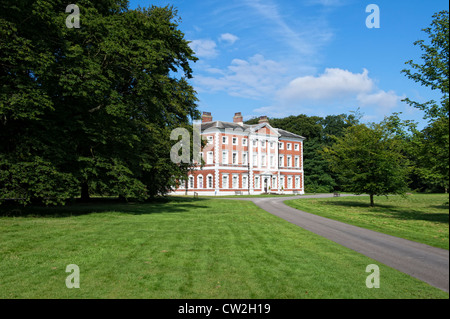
[(246, 159)]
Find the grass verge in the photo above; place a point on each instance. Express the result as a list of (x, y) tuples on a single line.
[(418, 217)]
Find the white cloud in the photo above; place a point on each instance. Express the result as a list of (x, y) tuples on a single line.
[(333, 83), (204, 48), (228, 37), (334, 91), (253, 78), (380, 98)]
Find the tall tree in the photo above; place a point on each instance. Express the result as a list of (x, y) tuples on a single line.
[(432, 144), (368, 160), (91, 108)]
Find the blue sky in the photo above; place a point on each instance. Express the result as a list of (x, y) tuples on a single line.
[(314, 57)]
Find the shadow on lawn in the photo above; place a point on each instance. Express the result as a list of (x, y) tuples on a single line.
[(102, 205), (391, 211)]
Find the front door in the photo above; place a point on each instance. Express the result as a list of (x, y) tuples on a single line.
[(266, 183)]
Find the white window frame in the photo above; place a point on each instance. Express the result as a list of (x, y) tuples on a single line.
[(281, 145), (297, 161), (281, 160), (210, 157), (289, 161), (244, 142), (227, 184), (296, 147), (289, 182), (207, 181), (245, 181), (191, 182), (225, 140), (235, 181), (210, 139), (289, 146), (200, 181), (235, 158), (235, 141), (225, 156), (244, 158)]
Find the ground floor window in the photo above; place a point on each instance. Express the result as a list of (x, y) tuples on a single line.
[(244, 182), (257, 182), (210, 181), (297, 182), (235, 181), (191, 181), (224, 181), (289, 182)]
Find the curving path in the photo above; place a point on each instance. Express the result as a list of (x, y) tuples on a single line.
[(421, 261)]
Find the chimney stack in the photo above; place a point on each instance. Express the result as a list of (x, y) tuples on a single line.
[(238, 118), (206, 117), (263, 119)]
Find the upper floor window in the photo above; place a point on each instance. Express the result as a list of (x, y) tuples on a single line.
[(210, 158), (296, 147), (235, 141), (244, 142), (280, 145), (289, 146), (224, 140), (210, 139), (224, 157), (244, 159), (235, 158)]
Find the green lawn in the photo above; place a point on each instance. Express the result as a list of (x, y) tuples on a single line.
[(184, 248), (418, 217)]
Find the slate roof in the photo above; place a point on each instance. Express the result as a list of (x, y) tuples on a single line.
[(244, 127)]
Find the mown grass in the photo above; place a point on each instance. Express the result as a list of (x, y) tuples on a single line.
[(182, 248), (419, 217)]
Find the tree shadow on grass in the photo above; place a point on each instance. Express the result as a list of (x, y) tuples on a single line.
[(105, 205), (391, 211)]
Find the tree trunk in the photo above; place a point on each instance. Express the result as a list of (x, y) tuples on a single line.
[(85, 192), (371, 201)]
